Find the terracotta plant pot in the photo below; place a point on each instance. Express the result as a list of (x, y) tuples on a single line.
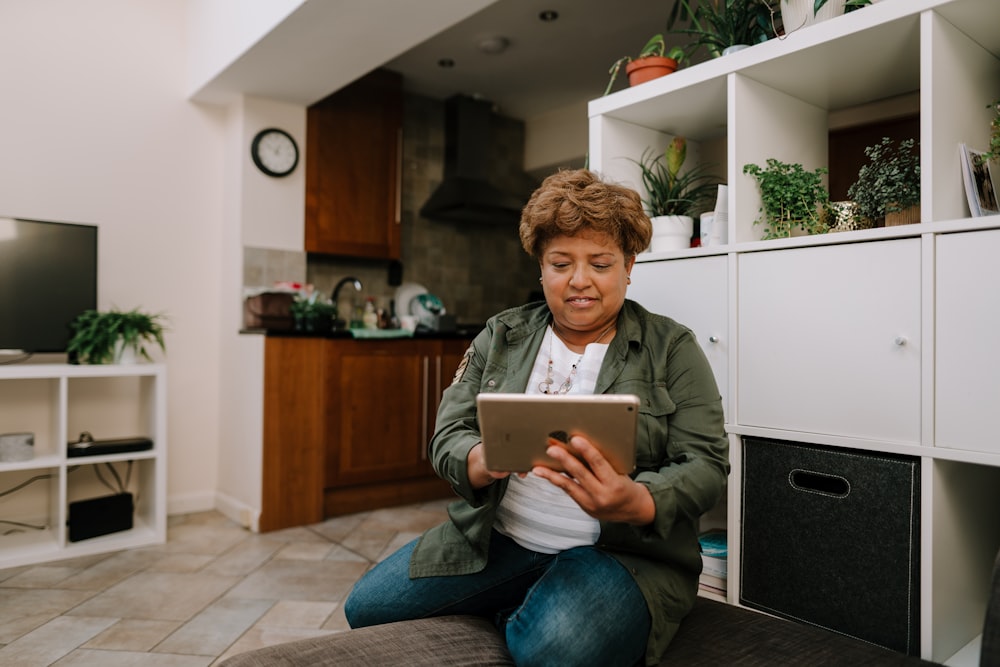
[(646, 69)]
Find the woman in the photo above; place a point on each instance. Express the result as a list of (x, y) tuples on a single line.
[(588, 567)]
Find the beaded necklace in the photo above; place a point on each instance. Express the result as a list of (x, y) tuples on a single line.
[(545, 386)]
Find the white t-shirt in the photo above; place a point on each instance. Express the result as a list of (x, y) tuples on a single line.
[(533, 512)]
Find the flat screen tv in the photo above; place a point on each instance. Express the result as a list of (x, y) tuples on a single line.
[(48, 276)]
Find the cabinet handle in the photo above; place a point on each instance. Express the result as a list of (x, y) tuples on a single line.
[(900, 341), (423, 447), (713, 339), (399, 175)]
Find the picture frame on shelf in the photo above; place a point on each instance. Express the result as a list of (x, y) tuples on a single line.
[(979, 184)]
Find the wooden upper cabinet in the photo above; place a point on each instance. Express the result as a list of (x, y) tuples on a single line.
[(354, 169)]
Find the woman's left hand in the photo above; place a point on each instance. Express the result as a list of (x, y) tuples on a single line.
[(596, 487)]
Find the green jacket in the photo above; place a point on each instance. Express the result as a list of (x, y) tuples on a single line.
[(681, 454)]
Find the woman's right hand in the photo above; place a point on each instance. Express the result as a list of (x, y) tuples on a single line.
[(479, 476)]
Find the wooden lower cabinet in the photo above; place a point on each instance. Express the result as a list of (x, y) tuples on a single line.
[(382, 403), (347, 422)]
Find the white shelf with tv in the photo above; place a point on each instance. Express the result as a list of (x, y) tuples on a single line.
[(56, 403), (866, 340)]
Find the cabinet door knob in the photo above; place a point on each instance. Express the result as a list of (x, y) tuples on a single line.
[(900, 341), (713, 339)]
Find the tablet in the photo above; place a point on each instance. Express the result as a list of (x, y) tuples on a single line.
[(518, 428)]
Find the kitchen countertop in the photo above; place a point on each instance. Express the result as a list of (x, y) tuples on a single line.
[(461, 331)]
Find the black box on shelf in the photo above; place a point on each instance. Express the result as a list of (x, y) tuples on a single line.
[(831, 537), (100, 516)]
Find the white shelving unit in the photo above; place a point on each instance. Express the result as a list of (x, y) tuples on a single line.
[(57, 402), (876, 340)]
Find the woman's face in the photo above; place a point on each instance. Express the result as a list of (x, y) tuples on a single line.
[(584, 278)]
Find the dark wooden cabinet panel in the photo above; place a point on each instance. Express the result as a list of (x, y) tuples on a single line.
[(294, 441), (376, 418), (347, 422), (353, 169)]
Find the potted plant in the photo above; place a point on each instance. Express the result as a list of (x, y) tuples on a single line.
[(115, 336), (888, 186), (723, 26), (673, 197), (994, 152), (790, 197), (312, 314), (652, 62)]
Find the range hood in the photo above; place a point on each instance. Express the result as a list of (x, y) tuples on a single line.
[(466, 193)]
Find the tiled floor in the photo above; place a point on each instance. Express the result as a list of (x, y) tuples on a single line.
[(213, 590)]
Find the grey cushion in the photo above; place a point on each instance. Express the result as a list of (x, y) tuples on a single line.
[(449, 641), (715, 633)]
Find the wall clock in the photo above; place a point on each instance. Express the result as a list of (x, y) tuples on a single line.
[(274, 152)]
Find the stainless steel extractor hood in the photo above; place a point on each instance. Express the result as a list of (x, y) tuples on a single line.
[(466, 193)]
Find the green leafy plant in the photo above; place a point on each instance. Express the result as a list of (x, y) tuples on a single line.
[(889, 182), (97, 335), (671, 192), (310, 313), (656, 46), (790, 197), (719, 24), (994, 152)]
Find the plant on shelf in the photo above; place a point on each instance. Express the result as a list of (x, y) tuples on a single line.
[(310, 313), (115, 336), (675, 197), (797, 14), (888, 186), (790, 197), (671, 192), (718, 25), (652, 62), (994, 152)]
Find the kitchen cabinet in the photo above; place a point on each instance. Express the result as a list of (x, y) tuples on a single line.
[(354, 168), (863, 340), (382, 405), (347, 422)]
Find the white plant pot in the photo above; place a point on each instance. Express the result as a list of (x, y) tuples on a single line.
[(797, 14), (125, 355), (671, 232)]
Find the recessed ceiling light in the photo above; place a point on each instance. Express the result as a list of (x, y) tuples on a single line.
[(548, 15), (493, 44), (446, 63)]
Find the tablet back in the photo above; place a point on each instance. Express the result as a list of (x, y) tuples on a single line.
[(517, 428)]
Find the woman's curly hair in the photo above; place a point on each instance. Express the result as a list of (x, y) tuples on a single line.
[(571, 201)]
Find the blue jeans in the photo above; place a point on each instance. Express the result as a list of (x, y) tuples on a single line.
[(578, 607)]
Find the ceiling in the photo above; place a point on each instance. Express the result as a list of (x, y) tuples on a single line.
[(546, 65)]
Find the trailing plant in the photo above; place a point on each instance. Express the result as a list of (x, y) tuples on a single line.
[(994, 152), (671, 192), (889, 182), (656, 46), (96, 334), (790, 197), (719, 24)]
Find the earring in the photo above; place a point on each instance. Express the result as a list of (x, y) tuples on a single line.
[(628, 280), (539, 279)]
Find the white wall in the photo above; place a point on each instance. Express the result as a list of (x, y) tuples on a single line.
[(97, 129)]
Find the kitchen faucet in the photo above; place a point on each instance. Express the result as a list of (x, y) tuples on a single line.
[(339, 322)]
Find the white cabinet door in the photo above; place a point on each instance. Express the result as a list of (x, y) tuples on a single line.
[(829, 340), (966, 360), (693, 292)]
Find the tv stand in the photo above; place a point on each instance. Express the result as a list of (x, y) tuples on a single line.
[(56, 402)]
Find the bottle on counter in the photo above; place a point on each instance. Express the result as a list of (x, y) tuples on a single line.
[(369, 318)]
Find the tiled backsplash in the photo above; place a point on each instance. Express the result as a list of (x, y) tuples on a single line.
[(476, 269)]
